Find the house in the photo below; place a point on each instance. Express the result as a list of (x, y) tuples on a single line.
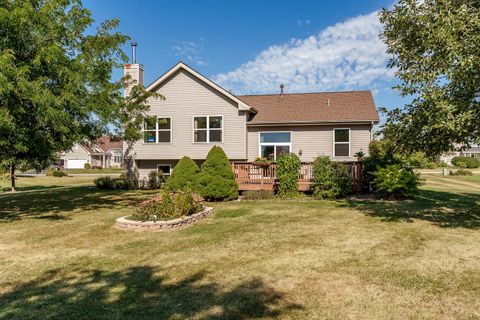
[(473, 151), (197, 114), (105, 153)]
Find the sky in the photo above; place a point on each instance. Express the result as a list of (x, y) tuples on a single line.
[(252, 47)]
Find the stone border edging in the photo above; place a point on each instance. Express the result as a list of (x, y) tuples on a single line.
[(125, 223)]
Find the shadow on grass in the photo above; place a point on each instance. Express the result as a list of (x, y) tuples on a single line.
[(139, 293), (51, 204), (32, 188), (445, 209)]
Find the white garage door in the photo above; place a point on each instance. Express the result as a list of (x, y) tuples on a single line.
[(75, 164)]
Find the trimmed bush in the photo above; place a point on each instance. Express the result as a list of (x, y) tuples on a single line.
[(331, 179), (395, 181), (258, 195), (56, 173), (115, 183), (469, 162), (87, 166), (286, 170), (461, 172), (216, 181), (168, 206), (156, 179), (183, 176)]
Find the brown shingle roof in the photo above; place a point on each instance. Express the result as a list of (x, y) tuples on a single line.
[(312, 107), (106, 143)]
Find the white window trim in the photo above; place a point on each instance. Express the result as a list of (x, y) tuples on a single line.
[(157, 130), (165, 165), (207, 129), (349, 143), (275, 144)]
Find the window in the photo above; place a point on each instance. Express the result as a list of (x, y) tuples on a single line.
[(341, 142), (208, 129), (117, 159), (274, 144), (157, 129), (165, 169)]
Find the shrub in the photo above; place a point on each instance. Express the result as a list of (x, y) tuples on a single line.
[(87, 166), (156, 179), (461, 164), (330, 179), (380, 156), (97, 167), (57, 173), (169, 205), (258, 195), (216, 181), (183, 176), (287, 169), (469, 162), (114, 183), (396, 181), (461, 172), (49, 172)]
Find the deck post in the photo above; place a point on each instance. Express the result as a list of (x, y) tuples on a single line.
[(261, 177)]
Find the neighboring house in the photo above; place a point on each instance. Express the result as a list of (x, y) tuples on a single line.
[(198, 114), (473, 151), (103, 153)]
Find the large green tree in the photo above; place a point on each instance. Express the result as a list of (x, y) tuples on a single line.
[(55, 81), (436, 54)]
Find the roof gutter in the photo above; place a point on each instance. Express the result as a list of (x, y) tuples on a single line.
[(309, 123)]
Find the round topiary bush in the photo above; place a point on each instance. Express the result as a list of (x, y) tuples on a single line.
[(216, 181), (183, 176), (286, 170), (87, 166)]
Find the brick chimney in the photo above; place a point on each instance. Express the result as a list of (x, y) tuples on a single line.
[(135, 70)]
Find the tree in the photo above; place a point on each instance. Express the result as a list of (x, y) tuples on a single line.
[(183, 176), (287, 168), (216, 180), (435, 51), (55, 87)]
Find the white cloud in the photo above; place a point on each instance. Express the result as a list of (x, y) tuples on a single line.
[(190, 51), (347, 55)]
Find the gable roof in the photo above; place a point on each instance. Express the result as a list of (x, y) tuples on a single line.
[(348, 106), (179, 66)]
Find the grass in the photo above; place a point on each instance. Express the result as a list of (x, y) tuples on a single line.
[(95, 171), (61, 257)]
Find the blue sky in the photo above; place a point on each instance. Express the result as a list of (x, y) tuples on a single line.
[(252, 46)]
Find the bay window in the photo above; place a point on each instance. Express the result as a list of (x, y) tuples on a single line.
[(341, 142), (208, 129), (273, 144)]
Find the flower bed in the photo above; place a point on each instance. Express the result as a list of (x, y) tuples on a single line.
[(126, 223)]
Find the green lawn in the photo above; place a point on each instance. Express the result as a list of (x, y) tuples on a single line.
[(62, 258), (95, 171)]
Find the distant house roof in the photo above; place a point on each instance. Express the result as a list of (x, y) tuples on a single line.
[(321, 107), (103, 144)]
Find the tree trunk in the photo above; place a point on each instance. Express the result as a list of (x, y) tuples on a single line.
[(12, 177)]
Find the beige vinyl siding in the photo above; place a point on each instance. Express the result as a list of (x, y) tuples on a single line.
[(76, 153), (312, 140), (187, 97)]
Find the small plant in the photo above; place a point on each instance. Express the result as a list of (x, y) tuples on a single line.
[(183, 176), (258, 195), (216, 181), (97, 167), (288, 166), (57, 173), (331, 179), (396, 180), (156, 179), (87, 166), (169, 205), (468, 162), (359, 154), (262, 161), (461, 172)]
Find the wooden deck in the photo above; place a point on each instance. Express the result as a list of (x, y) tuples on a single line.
[(251, 176)]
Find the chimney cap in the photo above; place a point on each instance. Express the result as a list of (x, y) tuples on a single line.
[(281, 88), (134, 52)]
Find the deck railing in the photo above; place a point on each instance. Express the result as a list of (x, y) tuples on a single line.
[(252, 176)]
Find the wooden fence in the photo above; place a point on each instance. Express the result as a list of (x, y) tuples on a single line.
[(251, 176)]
